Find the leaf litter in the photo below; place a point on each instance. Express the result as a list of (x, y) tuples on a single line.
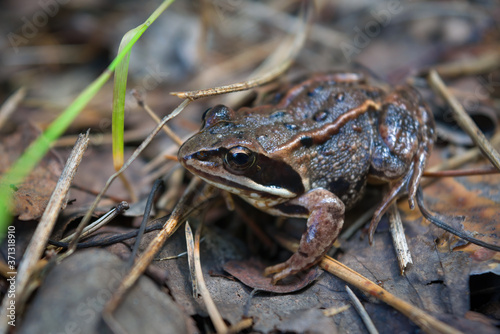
[(438, 280)]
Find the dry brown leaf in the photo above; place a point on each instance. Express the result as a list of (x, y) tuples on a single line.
[(30, 197)]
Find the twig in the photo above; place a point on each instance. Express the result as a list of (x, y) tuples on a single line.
[(462, 172), (97, 139), (136, 153), (213, 312), (11, 104), (190, 254), (362, 312), (152, 114), (106, 218), (236, 87), (421, 318), (464, 120), (399, 239), (147, 212), (145, 259), (272, 67), (37, 244), (439, 223), (471, 66), (128, 187)]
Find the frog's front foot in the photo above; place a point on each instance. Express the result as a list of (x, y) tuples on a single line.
[(296, 263), (326, 217)]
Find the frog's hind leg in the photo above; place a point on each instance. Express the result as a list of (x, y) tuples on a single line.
[(406, 129), (395, 190)]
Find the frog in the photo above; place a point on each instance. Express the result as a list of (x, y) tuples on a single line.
[(309, 151)]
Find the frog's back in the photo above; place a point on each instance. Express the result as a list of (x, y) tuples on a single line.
[(341, 162)]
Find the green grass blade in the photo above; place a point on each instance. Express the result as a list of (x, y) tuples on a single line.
[(119, 92), (36, 151)]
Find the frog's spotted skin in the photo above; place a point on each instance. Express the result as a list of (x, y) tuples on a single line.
[(310, 152)]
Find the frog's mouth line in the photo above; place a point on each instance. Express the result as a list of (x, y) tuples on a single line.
[(250, 189)]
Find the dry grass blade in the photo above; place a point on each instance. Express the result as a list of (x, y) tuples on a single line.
[(136, 153), (362, 312), (105, 139), (11, 104), (272, 68), (463, 158), (399, 239), (213, 312), (236, 87), (421, 318), (485, 63), (39, 240), (190, 254), (145, 259), (464, 120), (106, 218), (152, 114)]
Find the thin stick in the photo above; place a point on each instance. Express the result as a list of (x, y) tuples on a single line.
[(152, 114), (37, 244), (462, 172), (136, 153), (10, 105), (213, 312), (128, 187), (464, 120), (421, 318), (145, 259), (273, 69), (236, 87), (147, 212), (105, 138), (106, 218), (483, 64), (399, 239), (362, 312)]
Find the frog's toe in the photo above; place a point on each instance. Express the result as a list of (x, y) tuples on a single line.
[(293, 265), (275, 269), (280, 271)]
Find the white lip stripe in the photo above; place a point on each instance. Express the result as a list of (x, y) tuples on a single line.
[(283, 193)]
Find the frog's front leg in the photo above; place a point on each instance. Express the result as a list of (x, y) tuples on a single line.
[(326, 217)]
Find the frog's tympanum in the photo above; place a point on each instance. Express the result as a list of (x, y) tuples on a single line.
[(310, 152)]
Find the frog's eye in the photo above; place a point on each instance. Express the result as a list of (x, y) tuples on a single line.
[(239, 158)]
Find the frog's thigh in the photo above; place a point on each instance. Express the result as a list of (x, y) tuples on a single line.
[(326, 217), (397, 144)]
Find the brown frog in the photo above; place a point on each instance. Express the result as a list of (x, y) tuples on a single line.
[(311, 151)]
